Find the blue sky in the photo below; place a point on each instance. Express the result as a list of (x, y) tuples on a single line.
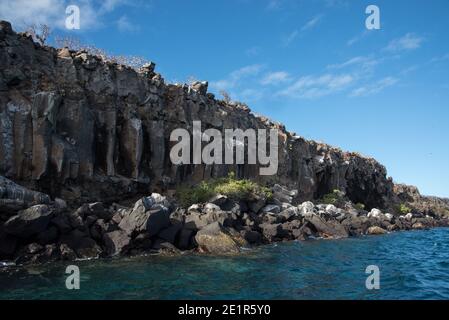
[(310, 64)]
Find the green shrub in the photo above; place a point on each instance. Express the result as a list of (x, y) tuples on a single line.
[(230, 186), (336, 197), (403, 209), (359, 206)]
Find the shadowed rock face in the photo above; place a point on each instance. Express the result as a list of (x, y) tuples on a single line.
[(84, 130)]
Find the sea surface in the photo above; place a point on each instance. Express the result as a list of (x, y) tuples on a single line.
[(413, 265)]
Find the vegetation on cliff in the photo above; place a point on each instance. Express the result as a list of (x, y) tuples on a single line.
[(236, 189)]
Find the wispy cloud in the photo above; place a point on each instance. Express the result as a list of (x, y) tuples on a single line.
[(292, 36), (409, 41), (374, 88), (444, 57), (312, 23), (287, 40), (125, 25), (317, 86), (234, 78), (357, 38), (365, 63), (275, 78)]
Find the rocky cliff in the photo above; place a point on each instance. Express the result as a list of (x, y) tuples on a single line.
[(82, 129), (83, 142)]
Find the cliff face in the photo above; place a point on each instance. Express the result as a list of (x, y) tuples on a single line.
[(84, 130)]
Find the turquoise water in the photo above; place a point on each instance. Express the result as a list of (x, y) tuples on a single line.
[(413, 265)]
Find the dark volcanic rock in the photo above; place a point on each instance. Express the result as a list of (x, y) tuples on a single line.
[(84, 246), (145, 217), (327, 229), (29, 221), (105, 127), (116, 242), (8, 244)]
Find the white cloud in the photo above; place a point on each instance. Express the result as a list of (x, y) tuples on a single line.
[(290, 38), (317, 86), (312, 23), (235, 77), (110, 5), (364, 62), (23, 13), (374, 88), (274, 78), (408, 42), (124, 25), (357, 38)]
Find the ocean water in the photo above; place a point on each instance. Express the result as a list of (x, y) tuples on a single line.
[(413, 265)]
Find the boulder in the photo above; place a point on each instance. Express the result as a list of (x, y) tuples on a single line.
[(257, 203), (418, 226), (253, 237), (62, 222), (211, 208), (116, 242), (197, 221), (290, 213), (374, 230), (8, 244), (223, 202), (38, 254), (327, 229), (97, 209), (169, 234), (307, 209), (147, 217), (271, 208), (83, 246), (194, 208), (303, 233), (376, 214), (48, 236), (66, 252), (356, 225), (161, 200), (215, 239), (29, 221), (200, 86), (185, 239), (273, 232)]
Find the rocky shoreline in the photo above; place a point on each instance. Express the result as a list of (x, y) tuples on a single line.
[(52, 232)]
